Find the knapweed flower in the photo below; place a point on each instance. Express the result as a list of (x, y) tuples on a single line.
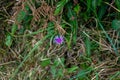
[(58, 39)]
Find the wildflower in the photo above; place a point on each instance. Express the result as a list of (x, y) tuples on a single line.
[(58, 39)]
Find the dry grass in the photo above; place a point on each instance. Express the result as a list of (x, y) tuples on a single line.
[(34, 56)]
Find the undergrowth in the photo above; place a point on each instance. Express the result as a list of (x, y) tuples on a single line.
[(90, 40)]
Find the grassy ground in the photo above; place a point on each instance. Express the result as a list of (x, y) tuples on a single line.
[(90, 49)]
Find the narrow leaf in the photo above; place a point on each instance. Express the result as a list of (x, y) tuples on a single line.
[(21, 16), (116, 24), (72, 69), (8, 41), (60, 6)]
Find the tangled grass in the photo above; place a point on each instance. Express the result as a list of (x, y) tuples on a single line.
[(89, 51)]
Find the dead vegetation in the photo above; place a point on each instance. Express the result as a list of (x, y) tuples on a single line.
[(33, 55)]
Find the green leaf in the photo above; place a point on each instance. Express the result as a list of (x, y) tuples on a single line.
[(56, 63), (117, 3), (8, 41), (72, 69), (116, 24), (53, 71), (102, 11), (77, 8), (14, 28), (60, 6), (50, 28), (88, 5), (94, 4), (68, 41), (82, 73), (99, 2), (73, 21), (88, 46), (21, 16), (60, 72), (26, 6), (45, 62), (109, 39)]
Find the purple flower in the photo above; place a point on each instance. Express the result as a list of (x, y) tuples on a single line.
[(58, 39)]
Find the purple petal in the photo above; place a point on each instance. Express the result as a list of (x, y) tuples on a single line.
[(58, 39)]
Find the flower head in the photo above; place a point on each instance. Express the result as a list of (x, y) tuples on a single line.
[(58, 39)]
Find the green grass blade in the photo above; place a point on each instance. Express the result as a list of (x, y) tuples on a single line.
[(60, 6), (29, 54), (110, 40), (82, 73), (88, 46), (115, 75), (73, 21)]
